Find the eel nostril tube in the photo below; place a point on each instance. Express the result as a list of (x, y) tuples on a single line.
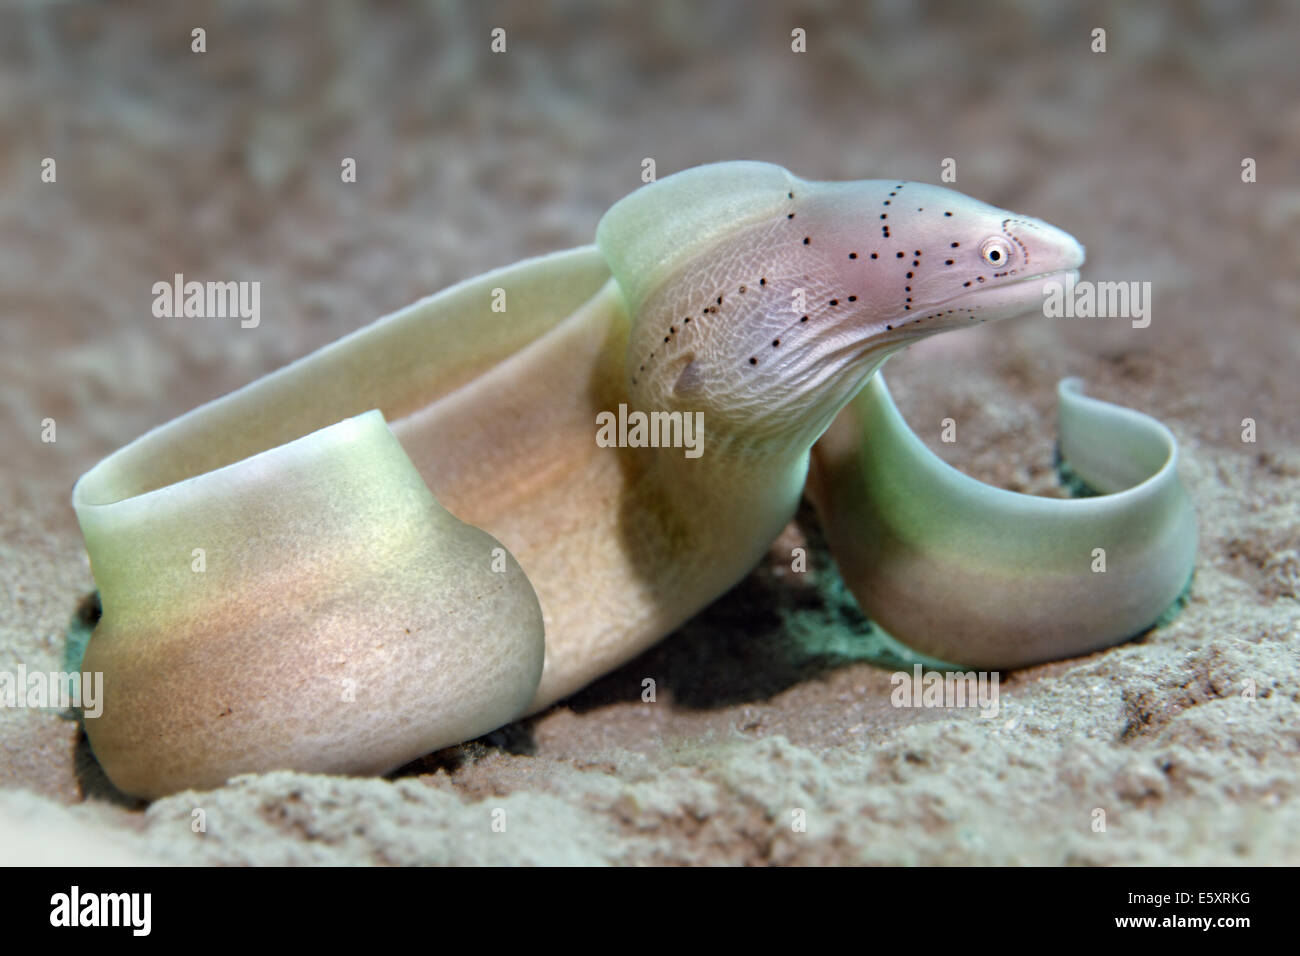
[(311, 607)]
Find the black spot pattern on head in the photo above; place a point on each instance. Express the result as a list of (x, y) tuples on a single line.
[(704, 313), (911, 275), (916, 256)]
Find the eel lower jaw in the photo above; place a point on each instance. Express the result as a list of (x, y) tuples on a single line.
[(858, 358), (1003, 300), (985, 304)]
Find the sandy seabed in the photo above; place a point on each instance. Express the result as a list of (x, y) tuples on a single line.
[(775, 699)]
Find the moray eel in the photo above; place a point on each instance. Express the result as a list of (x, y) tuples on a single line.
[(356, 559)]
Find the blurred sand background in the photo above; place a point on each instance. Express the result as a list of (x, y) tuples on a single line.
[(225, 165)]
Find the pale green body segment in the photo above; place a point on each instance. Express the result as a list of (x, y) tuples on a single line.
[(305, 608), (988, 578), (361, 603)]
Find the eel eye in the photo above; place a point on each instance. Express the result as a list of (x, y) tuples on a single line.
[(995, 251)]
